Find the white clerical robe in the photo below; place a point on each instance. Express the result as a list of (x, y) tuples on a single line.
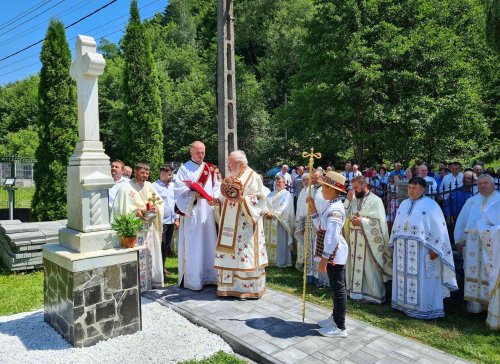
[(131, 197), (369, 265), (241, 255), (420, 284), (475, 259), (300, 224), (489, 230), (197, 231), (279, 230)]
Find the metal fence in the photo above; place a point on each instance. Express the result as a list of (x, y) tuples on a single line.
[(22, 169)]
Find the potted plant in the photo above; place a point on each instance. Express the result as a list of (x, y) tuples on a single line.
[(128, 226)]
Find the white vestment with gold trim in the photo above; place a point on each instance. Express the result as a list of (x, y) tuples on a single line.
[(279, 230), (131, 197), (370, 264), (241, 254), (475, 258), (489, 230)]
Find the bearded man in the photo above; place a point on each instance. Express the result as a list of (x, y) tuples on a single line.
[(369, 265), (241, 256), (137, 195)]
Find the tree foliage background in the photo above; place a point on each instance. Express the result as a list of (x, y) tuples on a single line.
[(374, 81), (56, 125)]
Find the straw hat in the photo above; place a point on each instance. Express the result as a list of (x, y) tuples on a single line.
[(334, 180)]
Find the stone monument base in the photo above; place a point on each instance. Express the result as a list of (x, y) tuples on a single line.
[(94, 296)]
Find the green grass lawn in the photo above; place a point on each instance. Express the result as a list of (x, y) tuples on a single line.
[(460, 333), (20, 292), (23, 197)]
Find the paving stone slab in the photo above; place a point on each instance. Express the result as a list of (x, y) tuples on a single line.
[(269, 330)]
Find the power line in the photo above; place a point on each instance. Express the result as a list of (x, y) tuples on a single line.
[(66, 27), (43, 23), (33, 17), (36, 54), (101, 37), (23, 14)]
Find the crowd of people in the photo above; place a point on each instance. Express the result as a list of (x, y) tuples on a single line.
[(362, 233)]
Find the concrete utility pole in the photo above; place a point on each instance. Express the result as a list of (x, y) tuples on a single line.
[(226, 83)]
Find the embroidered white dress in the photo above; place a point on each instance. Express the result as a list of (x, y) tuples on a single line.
[(420, 284), (279, 230), (241, 255), (489, 230), (197, 231), (129, 198), (475, 258)]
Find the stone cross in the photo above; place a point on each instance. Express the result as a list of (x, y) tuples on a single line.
[(85, 69), (226, 83)]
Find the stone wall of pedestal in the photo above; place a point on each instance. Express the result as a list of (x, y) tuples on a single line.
[(92, 305)]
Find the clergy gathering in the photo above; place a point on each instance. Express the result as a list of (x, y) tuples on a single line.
[(253, 181), (236, 227)]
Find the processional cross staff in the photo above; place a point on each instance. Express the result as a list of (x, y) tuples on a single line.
[(311, 157)]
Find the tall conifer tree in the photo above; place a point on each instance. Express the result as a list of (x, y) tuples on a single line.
[(143, 140), (57, 125)]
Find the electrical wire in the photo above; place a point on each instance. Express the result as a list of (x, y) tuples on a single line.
[(23, 14), (66, 27)]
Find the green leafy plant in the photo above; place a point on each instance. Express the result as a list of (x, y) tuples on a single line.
[(128, 225)]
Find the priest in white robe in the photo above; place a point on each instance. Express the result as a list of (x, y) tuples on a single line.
[(135, 196), (423, 269), (489, 230), (300, 222), (279, 225), (469, 244), (197, 231), (241, 255), (370, 264)]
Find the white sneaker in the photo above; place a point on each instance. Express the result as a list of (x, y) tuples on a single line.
[(328, 322), (333, 332)]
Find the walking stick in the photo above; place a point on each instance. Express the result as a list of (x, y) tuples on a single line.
[(311, 157)]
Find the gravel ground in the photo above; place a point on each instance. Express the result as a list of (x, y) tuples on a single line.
[(167, 337)]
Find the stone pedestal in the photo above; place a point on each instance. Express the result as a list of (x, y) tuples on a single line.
[(91, 286), (90, 297)]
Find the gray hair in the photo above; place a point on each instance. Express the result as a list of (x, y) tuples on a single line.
[(305, 175), (485, 176), (239, 157)]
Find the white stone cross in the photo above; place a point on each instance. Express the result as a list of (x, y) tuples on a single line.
[(85, 69)]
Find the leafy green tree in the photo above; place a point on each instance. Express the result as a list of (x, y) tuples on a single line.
[(57, 125), (22, 143), (143, 139), (390, 80), (492, 15), (18, 106)]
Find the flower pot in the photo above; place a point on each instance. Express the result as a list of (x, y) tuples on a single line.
[(129, 241)]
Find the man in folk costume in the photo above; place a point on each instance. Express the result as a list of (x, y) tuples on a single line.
[(470, 246), (489, 230), (423, 269), (197, 232), (140, 195), (241, 255), (369, 265), (313, 275), (332, 251), (279, 225), (300, 222)]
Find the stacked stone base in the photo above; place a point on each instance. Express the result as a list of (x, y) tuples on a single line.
[(90, 305)]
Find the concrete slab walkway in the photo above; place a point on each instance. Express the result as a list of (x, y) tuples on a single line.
[(270, 330)]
